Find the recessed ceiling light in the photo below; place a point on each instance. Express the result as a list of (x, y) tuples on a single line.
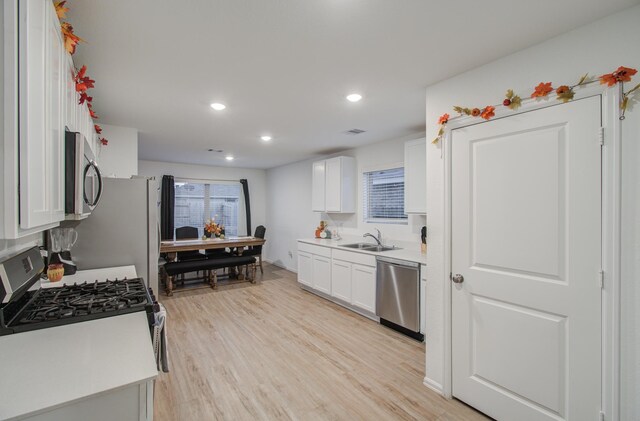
[(266, 138), (229, 158), (218, 106), (354, 97)]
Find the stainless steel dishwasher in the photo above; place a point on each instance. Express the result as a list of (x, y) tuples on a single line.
[(398, 295)]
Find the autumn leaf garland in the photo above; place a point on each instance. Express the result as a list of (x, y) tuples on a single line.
[(71, 40), (82, 81), (564, 93)]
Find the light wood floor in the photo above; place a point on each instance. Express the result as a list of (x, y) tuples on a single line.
[(273, 351)]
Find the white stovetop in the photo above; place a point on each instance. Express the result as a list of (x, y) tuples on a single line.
[(407, 251), (48, 368)]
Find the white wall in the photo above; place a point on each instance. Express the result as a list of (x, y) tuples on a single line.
[(120, 157), (596, 48), (289, 211), (256, 179)]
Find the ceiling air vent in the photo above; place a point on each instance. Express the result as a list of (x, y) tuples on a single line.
[(354, 132)]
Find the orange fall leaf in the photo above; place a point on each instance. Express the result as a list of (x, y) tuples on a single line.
[(61, 11)]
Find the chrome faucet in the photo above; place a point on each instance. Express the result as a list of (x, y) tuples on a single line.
[(378, 238)]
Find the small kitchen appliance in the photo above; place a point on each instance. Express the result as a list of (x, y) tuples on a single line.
[(23, 308), (62, 239), (83, 181)]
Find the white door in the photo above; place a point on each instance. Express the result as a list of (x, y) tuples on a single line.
[(526, 238)]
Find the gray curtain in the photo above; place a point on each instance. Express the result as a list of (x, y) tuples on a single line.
[(247, 203), (168, 200)]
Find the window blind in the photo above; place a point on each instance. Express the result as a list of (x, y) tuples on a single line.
[(383, 196), (196, 202)]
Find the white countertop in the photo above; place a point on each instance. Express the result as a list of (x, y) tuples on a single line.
[(48, 368), (407, 251)]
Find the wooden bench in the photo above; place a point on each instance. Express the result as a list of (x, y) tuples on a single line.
[(209, 265)]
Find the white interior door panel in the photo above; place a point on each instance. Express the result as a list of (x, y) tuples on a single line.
[(526, 238)]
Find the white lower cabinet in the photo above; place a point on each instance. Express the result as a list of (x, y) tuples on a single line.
[(314, 267), (363, 283), (322, 274), (133, 403), (341, 280), (347, 276), (305, 268)]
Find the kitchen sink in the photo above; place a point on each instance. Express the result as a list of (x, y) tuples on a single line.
[(369, 247), (358, 245), (381, 248)]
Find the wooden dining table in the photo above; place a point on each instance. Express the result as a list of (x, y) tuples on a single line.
[(172, 247)]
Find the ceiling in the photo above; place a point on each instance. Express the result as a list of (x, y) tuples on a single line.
[(284, 67)]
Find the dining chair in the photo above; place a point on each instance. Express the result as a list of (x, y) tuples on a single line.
[(256, 250), (188, 233)]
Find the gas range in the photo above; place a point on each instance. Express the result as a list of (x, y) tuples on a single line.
[(26, 310)]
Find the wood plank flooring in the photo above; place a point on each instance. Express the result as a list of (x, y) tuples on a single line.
[(273, 351)]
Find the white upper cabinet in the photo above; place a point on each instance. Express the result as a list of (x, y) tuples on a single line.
[(40, 101), (334, 185), (41, 113), (415, 176)]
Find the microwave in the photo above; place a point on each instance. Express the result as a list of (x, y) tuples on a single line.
[(83, 181)]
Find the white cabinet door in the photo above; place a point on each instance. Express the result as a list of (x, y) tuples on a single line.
[(57, 59), (41, 115), (415, 176), (318, 187), (333, 185), (363, 283), (341, 280), (305, 268), (322, 274)]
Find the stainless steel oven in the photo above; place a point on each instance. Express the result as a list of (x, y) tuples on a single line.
[(83, 181)]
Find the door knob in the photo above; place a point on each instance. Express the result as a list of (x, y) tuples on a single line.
[(457, 278)]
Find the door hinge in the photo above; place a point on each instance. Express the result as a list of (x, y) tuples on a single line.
[(601, 417), (601, 278), (601, 135)]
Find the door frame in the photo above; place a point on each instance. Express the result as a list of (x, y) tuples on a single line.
[(611, 235)]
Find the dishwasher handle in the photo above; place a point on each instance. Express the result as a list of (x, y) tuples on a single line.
[(397, 262)]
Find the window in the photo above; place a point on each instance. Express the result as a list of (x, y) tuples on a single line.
[(383, 196), (196, 202)]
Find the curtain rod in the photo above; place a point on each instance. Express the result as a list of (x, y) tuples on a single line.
[(175, 177)]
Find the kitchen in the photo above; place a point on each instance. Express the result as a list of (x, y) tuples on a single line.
[(304, 341)]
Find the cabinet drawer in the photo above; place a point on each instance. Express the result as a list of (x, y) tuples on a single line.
[(317, 250), (353, 257)]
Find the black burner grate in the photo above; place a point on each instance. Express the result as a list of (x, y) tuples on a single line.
[(80, 302)]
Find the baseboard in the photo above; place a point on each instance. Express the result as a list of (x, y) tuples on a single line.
[(435, 386), (280, 265), (344, 304)]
